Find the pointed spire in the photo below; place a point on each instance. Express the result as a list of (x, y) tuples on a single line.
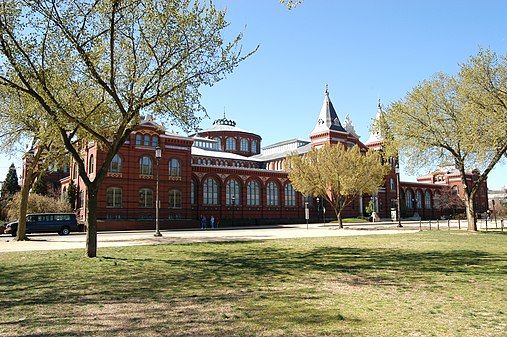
[(347, 125), (328, 119), (376, 133)]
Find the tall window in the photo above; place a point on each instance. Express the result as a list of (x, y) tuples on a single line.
[(174, 168), (114, 195), (146, 166), (253, 194), (418, 199), (232, 190), (243, 145), (230, 143), (139, 139), (91, 164), (146, 140), (219, 142), (272, 194), (253, 145), (193, 187), (154, 141), (392, 184), (290, 195), (210, 192), (427, 200), (408, 199), (115, 166), (145, 198), (174, 199)]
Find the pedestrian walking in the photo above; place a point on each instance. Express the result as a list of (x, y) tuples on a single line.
[(203, 222), (212, 222)]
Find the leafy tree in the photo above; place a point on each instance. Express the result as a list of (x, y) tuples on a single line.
[(448, 199), (36, 204), (93, 67), (337, 174), (41, 186), (10, 185), (460, 119)]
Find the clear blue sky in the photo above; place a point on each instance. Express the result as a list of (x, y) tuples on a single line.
[(362, 49)]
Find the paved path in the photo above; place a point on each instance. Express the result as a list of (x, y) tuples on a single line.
[(130, 238)]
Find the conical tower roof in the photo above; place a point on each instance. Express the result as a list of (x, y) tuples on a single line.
[(376, 133), (328, 119)]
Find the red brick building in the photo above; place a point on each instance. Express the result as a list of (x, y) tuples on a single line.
[(222, 172)]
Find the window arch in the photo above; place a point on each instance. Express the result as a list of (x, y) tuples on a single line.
[(427, 199), (253, 193), (114, 197), (174, 198), (230, 143), (146, 140), (290, 195), (174, 168), (145, 198), (210, 192), (146, 166), (243, 145), (272, 194), (418, 199), (253, 146), (91, 164), (219, 142), (408, 199), (232, 189), (115, 166)]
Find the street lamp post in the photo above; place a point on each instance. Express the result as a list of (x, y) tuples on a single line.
[(158, 154), (233, 203), (398, 203)]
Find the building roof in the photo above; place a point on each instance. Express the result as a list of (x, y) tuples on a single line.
[(376, 133), (223, 125), (328, 119), (196, 151), (282, 154)]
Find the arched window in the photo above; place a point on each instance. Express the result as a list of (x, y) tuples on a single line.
[(115, 166), (139, 139), (243, 145), (174, 199), (230, 144), (232, 189), (145, 198), (253, 194), (114, 197), (193, 187), (91, 164), (219, 142), (146, 140), (253, 145), (146, 166), (418, 199), (427, 199), (154, 141), (174, 168), (408, 199), (272, 194), (290, 195), (210, 192)]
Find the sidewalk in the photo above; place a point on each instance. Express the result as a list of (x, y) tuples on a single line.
[(136, 238)]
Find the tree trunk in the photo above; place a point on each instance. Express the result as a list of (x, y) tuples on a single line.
[(470, 212), (91, 221)]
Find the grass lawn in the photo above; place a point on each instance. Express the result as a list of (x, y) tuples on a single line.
[(436, 283)]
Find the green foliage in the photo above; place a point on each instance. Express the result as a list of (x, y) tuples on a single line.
[(336, 173), (10, 185), (36, 204), (41, 187), (370, 207)]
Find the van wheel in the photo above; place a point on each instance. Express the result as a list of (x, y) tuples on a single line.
[(65, 231), (13, 234)]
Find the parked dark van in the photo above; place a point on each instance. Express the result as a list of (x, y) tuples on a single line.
[(61, 223)]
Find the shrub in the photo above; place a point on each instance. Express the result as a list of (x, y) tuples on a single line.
[(36, 204)]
